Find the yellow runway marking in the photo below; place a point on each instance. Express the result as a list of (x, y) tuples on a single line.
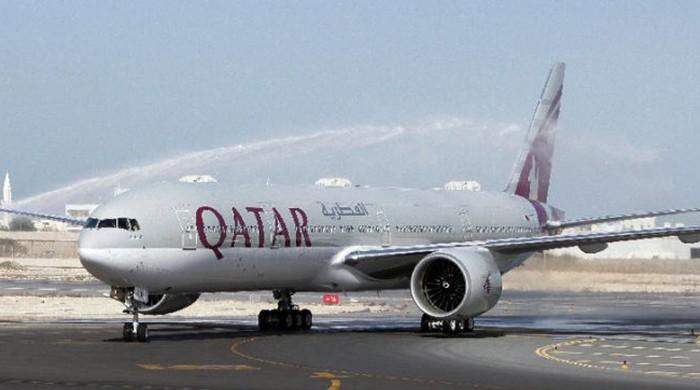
[(199, 367), (335, 379), (553, 353), (336, 373)]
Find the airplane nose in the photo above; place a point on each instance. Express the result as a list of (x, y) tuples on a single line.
[(97, 263)]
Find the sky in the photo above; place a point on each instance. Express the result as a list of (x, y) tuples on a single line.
[(408, 94)]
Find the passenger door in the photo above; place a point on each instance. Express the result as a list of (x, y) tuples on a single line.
[(467, 227), (384, 227), (187, 229)]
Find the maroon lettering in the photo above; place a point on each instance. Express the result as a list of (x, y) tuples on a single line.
[(257, 211), (301, 222), (203, 235), (280, 229), (239, 229)]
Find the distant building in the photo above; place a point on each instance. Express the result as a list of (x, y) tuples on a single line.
[(198, 179), (333, 182), (6, 200), (78, 211)]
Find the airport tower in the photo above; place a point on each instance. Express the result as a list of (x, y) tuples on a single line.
[(6, 199)]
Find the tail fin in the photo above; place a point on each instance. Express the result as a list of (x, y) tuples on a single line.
[(533, 168)]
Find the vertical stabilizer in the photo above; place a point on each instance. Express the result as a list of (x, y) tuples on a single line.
[(533, 168)]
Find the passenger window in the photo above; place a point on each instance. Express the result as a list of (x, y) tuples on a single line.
[(107, 223), (91, 223), (123, 223), (134, 225)]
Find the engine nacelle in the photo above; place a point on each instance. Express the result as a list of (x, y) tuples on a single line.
[(456, 283), (157, 303)]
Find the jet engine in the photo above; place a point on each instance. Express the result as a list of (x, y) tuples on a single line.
[(157, 303), (456, 283)]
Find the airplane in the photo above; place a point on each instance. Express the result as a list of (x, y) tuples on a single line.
[(161, 246)]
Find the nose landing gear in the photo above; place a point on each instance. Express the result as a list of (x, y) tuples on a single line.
[(134, 330), (287, 316)]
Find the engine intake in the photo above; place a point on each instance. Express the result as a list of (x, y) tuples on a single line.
[(456, 283)]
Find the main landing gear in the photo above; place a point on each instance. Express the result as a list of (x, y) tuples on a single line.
[(451, 326), (134, 330), (287, 316)]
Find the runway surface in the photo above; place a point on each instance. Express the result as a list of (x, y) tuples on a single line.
[(531, 341)]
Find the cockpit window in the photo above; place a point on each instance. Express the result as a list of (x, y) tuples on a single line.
[(123, 223), (107, 223), (111, 223), (91, 223)]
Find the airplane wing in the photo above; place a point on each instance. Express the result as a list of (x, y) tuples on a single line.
[(613, 218), (60, 218), (588, 242)]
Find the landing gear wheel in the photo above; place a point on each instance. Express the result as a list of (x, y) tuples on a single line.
[(453, 326), (287, 320), (287, 316), (306, 319), (425, 323), (128, 332), (142, 333), (264, 320), (469, 325), (297, 320)]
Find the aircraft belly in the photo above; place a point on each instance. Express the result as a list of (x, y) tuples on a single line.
[(176, 270)]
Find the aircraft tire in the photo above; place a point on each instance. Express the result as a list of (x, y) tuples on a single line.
[(298, 322), (128, 332), (469, 325), (142, 333), (449, 326), (286, 320), (264, 320), (306, 319), (424, 323)]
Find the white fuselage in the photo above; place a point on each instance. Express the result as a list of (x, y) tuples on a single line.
[(208, 237)]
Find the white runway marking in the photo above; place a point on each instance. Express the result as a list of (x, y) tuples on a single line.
[(47, 289), (624, 354), (675, 365), (666, 349), (14, 288)]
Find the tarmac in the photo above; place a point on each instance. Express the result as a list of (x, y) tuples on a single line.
[(531, 340)]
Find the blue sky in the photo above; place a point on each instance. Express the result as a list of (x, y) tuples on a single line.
[(87, 88)]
